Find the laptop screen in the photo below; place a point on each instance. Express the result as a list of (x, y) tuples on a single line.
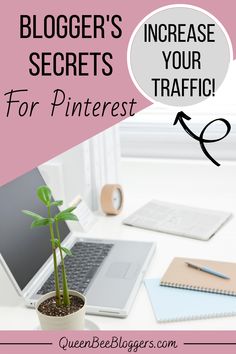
[(24, 250)]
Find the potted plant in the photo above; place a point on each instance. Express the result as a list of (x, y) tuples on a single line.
[(62, 308)]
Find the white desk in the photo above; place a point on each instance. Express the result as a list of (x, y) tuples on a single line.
[(194, 183)]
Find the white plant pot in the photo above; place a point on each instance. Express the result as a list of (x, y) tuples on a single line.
[(74, 321)]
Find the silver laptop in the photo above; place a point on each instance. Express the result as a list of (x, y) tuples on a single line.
[(108, 272)]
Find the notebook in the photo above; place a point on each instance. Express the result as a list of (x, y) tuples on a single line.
[(179, 275), (170, 304), (178, 219)]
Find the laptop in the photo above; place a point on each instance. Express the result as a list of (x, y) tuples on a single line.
[(107, 272)]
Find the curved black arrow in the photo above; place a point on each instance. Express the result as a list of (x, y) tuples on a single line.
[(181, 116)]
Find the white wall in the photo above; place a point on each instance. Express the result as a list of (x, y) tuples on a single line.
[(150, 133), (84, 169)]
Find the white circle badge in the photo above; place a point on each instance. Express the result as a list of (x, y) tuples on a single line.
[(179, 55)]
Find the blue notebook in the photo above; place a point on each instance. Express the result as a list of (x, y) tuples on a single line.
[(175, 304)]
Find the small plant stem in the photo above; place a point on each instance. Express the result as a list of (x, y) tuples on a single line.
[(56, 277), (66, 298)]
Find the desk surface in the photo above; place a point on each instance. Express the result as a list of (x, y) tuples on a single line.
[(188, 182)]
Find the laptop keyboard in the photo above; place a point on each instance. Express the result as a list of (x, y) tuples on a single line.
[(81, 267)]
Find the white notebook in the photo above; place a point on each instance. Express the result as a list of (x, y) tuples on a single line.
[(174, 304), (178, 219)]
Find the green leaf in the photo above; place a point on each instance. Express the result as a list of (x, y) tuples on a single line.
[(57, 203), (45, 195), (32, 215), (41, 222), (66, 216), (66, 251), (56, 241), (68, 210)]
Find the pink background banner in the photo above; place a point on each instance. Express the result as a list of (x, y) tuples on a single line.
[(26, 142), (178, 342)]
